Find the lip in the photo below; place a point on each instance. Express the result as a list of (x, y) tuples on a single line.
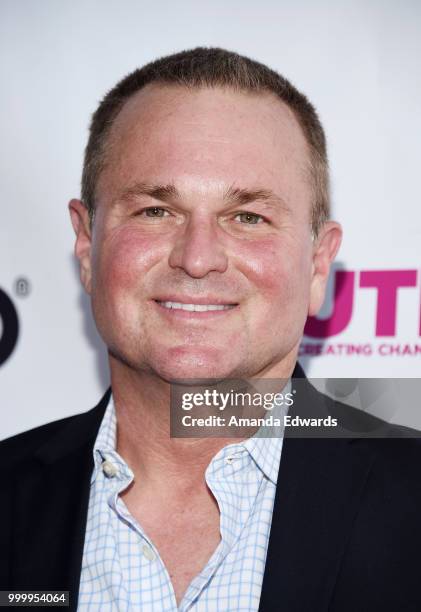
[(203, 300), (191, 314)]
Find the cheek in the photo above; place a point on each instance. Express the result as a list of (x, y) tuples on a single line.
[(278, 271), (123, 259)]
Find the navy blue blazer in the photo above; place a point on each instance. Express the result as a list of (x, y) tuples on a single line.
[(346, 527)]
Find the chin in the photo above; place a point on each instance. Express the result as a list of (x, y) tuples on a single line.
[(182, 364)]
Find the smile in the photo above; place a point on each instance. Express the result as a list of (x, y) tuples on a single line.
[(195, 307)]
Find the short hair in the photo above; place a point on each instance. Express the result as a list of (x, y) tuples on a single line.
[(210, 67)]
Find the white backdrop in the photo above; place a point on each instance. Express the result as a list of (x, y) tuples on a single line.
[(357, 61)]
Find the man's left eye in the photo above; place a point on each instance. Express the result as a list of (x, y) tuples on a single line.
[(250, 218), (155, 212)]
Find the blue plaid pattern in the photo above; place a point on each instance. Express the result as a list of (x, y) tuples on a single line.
[(121, 568)]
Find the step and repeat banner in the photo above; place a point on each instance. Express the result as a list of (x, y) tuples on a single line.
[(358, 62)]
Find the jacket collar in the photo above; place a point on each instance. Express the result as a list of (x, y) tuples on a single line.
[(77, 431)]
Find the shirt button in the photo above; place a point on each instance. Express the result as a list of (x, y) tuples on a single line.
[(229, 459), (148, 552), (109, 469)]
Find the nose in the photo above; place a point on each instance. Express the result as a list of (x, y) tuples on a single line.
[(198, 249)]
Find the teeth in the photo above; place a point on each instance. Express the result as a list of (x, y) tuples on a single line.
[(196, 307)]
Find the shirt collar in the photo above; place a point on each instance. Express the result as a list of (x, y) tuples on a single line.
[(105, 443), (264, 447)]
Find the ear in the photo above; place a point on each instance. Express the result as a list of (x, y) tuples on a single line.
[(81, 224), (325, 248)]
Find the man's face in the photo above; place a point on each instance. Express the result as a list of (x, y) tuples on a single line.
[(205, 201)]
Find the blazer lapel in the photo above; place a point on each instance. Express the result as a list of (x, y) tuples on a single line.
[(319, 487), (50, 508)]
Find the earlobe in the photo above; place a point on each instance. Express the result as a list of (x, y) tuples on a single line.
[(325, 249), (81, 224)]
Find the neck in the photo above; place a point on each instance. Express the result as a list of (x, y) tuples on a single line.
[(142, 401)]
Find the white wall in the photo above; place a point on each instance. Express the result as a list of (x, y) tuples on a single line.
[(358, 62)]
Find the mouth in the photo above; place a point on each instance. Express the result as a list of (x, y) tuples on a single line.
[(194, 308)]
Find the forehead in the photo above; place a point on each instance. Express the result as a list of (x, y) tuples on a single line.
[(174, 134)]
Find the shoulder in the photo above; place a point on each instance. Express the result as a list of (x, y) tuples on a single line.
[(17, 449), (23, 444), (396, 449), (353, 422), (360, 423)]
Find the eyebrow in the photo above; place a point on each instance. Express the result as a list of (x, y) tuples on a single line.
[(232, 196), (164, 193), (241, 197)]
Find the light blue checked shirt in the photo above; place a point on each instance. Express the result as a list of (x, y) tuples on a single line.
[(122, 569)]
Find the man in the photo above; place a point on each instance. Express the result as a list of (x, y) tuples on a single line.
[(204, 241)]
